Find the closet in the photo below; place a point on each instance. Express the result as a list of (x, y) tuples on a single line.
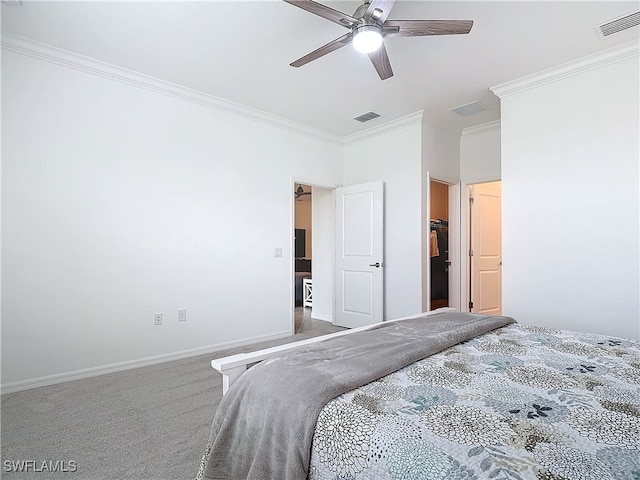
[(439, 244)]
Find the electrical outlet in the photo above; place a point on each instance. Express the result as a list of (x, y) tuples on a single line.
[(157, 318), (277, 252), (182, 315)]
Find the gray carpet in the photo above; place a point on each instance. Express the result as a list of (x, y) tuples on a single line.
[(143, 424)]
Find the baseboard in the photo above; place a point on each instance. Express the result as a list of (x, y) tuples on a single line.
[(18, 386), (325, 318)]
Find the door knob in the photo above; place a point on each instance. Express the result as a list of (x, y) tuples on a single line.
[(377, 264)]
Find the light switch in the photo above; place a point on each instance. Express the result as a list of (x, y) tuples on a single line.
[(277, 252)]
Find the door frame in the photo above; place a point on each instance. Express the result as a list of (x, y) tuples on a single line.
[(292, 221), (465, 239)]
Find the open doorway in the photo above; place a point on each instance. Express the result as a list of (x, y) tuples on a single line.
[(313, 235), (439, 244), (484, 221), (303, 254), (320, 221)]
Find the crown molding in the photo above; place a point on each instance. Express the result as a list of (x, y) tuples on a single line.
[(591, 62), (481, 128), (65, 58), (411, 119)]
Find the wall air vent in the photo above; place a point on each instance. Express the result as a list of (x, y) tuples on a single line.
[(365, 117), (618, 24), (469, 109)]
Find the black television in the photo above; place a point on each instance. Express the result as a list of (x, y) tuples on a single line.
[(300, 243)]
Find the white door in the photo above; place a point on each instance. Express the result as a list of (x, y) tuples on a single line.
[(359, 255), (486, 244)]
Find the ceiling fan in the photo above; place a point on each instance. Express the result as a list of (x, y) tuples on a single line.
[(300, 192), (369, 24)]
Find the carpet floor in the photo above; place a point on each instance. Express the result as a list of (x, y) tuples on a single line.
[(149, 423)]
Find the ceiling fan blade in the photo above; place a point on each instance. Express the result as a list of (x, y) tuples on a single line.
[(380, 61), (421, 28), (383, 8), (328, 48), (325, 12)]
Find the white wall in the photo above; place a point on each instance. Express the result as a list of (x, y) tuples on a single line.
[(441, 153), (570, 196), (480, 153), (119, 202), (393, 155), (322, 266)]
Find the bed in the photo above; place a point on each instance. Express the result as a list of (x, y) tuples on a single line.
[(474, 397)]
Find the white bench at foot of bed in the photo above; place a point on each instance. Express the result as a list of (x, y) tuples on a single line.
[(233, 366)]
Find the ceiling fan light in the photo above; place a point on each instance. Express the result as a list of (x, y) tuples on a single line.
[(367, 38)]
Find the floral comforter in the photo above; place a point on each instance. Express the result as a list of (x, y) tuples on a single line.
[(520, 402)]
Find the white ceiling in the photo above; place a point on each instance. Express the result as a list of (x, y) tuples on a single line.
[(241, 50)]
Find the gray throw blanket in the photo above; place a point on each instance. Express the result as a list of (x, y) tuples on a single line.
[(264, 425)]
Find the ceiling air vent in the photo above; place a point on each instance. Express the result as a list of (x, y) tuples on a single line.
[(365, 117), (618, 25), (469, 109)]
